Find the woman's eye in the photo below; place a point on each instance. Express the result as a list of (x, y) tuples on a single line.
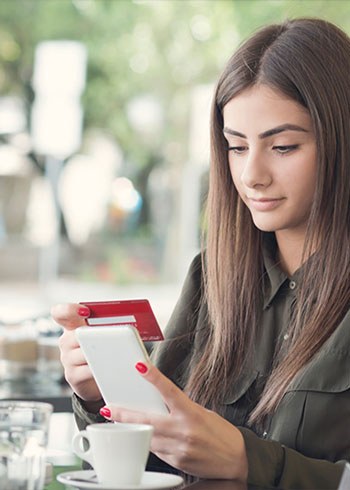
[(285, 148), (237, 149)]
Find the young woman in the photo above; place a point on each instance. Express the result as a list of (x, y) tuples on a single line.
[(255, 368)]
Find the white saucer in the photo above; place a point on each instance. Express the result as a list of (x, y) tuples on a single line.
[(150, 481)]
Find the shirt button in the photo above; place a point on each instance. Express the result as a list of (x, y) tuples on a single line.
[(292, 285), (286, 336)]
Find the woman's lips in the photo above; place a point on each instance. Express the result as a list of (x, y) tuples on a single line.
[(266, 204)]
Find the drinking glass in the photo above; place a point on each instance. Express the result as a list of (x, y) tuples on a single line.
[(24, 428)]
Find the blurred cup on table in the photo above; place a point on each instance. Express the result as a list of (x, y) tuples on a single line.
[(117, 452), (29, 351), (18, 351), (24, 428)]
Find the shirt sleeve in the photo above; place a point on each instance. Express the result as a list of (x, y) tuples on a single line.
[(82, 416), (273, 464)]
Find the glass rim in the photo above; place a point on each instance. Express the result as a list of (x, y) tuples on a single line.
[(26, 404)]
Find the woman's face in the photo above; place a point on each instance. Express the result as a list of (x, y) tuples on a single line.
[(272, 158)]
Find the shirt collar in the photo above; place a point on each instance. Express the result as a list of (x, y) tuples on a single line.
[(274, 275)]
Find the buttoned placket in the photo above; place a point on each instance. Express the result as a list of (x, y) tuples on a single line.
[(265, 433), (292, 286)]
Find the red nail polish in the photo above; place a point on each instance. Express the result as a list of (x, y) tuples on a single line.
[(141, 367), (83, 312), (105, 412)]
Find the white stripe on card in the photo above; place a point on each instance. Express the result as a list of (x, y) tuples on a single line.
[(111, 320)]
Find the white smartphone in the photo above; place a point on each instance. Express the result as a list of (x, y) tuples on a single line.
[(111, 353)]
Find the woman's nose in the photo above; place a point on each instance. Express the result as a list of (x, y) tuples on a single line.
[(256, 172)]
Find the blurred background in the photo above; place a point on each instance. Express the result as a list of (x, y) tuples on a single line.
[(104, 155), (104, 108)]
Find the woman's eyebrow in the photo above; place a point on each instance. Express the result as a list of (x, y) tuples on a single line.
[(269, 132)]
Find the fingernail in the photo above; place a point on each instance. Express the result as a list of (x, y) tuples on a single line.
[(83, 312), (141, 367), (105, 412)]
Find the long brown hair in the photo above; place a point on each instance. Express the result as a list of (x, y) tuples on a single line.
[(309, 61)]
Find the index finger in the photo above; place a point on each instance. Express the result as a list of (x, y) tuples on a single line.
[(70, 315)]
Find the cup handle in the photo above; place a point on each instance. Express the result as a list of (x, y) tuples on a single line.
[(76, 445)]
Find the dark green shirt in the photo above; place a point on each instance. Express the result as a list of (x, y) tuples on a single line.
[(305, 443)]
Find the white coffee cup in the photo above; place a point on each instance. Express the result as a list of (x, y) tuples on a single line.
[(117, 452)]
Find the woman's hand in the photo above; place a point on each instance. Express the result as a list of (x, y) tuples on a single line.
[(191, 438), (76, 370)]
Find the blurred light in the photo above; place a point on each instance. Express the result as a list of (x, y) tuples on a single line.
[(58, 80), (143, 43), (86, 184), (145, 114), (199, 132), (56, 126), (60, 67), (12, 115), (139, 63), (200, 28), (41, 214), (13, 162), (125, 196), (142, 33), (84, 206), (104, 149)]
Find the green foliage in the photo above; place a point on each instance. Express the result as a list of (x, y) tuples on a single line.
[(159, 47)]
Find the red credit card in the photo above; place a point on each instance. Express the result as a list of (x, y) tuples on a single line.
[(135, 312)]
